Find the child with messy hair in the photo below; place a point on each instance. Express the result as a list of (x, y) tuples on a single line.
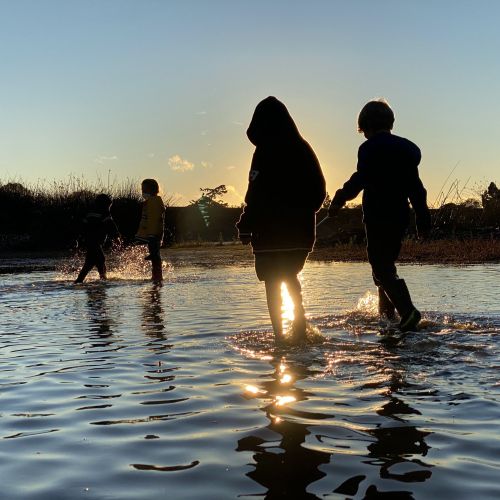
[(387, 173)]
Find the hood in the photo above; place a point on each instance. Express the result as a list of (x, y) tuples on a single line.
[(271, 123)]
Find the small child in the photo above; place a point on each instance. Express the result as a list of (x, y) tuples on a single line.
[(387, 173), (286, 188), (151, 226), (98, 226)]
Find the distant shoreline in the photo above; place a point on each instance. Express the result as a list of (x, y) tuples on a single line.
[(451, 252)]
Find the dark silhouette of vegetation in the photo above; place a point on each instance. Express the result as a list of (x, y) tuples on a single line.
[(41, 217), (491, 205), (210, 195)]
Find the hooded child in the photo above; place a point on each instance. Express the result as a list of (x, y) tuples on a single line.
[(286, 188)]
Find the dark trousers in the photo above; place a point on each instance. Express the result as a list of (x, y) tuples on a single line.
[(383, 244), (93, 257), (154, 245), (154, 249)]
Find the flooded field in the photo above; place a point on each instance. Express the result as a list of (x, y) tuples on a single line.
[(122, 390)]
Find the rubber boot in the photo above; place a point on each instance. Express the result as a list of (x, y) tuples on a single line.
[(299, 325), (385, 306), (399, 295), (157, 272)]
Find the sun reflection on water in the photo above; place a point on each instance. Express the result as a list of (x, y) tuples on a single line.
[(287, 313)]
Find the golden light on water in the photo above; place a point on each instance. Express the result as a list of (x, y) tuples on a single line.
[(286, 378), (287, 304), (283, 400), (252, 389)]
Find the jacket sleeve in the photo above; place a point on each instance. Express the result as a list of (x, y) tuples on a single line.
[(111, 228), (314, 183), (355, 184), (348, 191), (246, 221), (418, 199)]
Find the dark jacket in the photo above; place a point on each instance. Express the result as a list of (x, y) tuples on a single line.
[(96, 227), (286, 186), (387, 172)]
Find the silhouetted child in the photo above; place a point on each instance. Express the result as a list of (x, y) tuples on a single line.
[(98, 226), (387, 172), (151, 226), (286, 188)]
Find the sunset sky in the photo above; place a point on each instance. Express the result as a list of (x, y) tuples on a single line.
[(166, 89)]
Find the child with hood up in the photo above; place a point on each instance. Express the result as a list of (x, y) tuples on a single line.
[(286, 188)]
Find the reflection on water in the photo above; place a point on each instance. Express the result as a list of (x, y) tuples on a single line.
[(100, 321), (283, 466), (180, 392)]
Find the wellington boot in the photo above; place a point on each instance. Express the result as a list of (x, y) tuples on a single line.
[(410, 322), (399, 295), (299, 331), (157, 273), (385, 306)]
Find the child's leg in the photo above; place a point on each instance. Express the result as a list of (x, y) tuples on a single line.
[(273, 296), (295, 290), (385, 306), (384, 245), (87, 266), (100, 260), (155, 257)]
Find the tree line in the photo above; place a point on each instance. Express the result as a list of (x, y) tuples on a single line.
[(49, 218)]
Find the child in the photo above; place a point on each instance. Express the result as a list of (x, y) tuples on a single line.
[(151, 226), (286, 188), (98, 225), (387, 172)]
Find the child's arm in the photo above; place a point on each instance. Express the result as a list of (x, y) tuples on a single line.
[(114, 234), (353, 186), (348, 192), (418, 199), (245, 223)]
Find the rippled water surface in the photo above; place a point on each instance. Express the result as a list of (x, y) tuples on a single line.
[(121, 390)]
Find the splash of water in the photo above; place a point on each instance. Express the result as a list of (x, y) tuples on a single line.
[(368, 303), (126, 264)]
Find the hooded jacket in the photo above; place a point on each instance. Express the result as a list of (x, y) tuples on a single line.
[(387, 172), (286, 186)]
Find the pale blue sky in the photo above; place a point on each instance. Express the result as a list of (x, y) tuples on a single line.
[(166, 89)]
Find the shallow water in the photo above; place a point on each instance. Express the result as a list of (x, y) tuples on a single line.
[(121, 390)]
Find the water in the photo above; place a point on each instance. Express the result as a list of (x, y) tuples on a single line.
[(126, 391)]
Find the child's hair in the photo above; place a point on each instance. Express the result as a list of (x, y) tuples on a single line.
[(375, 115), (151, 185), (103, 202)]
